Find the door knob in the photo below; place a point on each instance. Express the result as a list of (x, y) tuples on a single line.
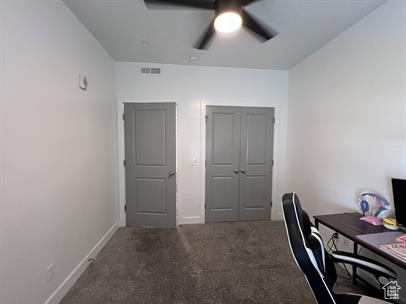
[(236, 170), (172, 172), (243, 171)]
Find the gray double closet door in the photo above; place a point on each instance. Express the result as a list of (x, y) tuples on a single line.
[(239, 153)]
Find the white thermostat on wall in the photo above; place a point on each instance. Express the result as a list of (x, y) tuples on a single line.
[(82, 82)]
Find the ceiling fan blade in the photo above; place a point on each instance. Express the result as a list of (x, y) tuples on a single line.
[(206, 37), (257, 27), (204, 4), (247, 2)]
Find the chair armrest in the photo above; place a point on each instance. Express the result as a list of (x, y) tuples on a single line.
[(382, 272)]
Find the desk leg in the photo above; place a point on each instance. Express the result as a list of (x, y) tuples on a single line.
[(354, 268)]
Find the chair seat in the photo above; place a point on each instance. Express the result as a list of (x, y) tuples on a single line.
[(349, 298)]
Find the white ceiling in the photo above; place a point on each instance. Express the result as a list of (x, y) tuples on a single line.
[(303, 25)]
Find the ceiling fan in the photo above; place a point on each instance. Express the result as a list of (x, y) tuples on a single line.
[(229, 16)]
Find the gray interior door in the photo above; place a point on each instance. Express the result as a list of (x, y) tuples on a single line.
[(257, 129), (150, 159), (239, 153), (222, 163)]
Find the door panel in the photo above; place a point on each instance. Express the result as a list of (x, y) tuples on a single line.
[(150, 151), (150, 195), (256, 191), (150, 137), (256, 163), (256, 138), (222, 158), (223, 124), (223, 193)]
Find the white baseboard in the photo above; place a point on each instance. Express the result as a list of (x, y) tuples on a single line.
[(61, 291), (190, 220)]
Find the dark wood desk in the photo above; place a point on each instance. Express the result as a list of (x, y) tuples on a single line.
[(350, 225)]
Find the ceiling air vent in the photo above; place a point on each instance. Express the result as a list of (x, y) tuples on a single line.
[(154, 71), (145, 70)]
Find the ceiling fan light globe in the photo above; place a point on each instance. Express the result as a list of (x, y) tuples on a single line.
[(228, 22)]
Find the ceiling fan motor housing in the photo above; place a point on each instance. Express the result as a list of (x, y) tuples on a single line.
[(223, 6)]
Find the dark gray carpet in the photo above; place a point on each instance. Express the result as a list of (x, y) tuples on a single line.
[(226, 263)]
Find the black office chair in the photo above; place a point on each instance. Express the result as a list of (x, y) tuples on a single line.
[(317, 264)]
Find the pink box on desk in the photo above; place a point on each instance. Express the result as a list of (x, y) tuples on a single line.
[(372, 220)]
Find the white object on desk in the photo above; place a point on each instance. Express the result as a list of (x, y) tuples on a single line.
[(390, 227)]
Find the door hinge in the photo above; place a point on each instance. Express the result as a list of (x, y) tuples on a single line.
[(271, 204), (123, 116), (205, 206), (206, 117), (273, 162), (274, 120), (124, 163), (125, 208)]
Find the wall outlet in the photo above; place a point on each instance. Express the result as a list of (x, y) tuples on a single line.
[(50, 272)]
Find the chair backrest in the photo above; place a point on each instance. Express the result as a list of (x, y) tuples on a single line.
[(308, 250)]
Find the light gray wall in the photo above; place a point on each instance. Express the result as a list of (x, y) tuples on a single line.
[(58, 148), (347, 115), (192, 88)]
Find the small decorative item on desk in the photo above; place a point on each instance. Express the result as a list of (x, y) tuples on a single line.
[(371, 220), (390, 223), (364, 206), (378, 206)]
